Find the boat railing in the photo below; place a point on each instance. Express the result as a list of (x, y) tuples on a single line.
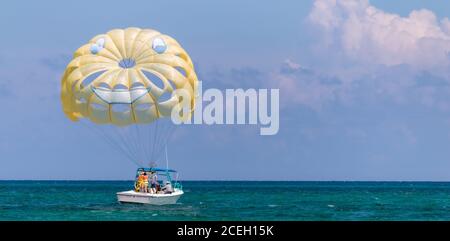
[(178, 185)]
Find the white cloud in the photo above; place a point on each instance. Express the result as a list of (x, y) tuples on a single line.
[(364, 55), (366, 34)]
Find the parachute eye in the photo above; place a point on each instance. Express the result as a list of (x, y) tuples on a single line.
[(159, 45), (99, 45), (95, 49), (101, 42)]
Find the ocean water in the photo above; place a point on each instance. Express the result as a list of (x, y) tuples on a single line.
[(217, 200)]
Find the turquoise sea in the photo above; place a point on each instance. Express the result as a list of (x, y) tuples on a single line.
[(221, 200)]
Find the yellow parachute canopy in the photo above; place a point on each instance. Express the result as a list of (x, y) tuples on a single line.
[(127, 76)]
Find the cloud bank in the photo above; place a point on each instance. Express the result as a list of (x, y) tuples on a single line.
[(364, 55), (366, 34)]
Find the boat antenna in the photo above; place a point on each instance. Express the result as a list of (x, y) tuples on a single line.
[(167, 160)]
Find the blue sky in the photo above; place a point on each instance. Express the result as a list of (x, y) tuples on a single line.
[(364, 88)]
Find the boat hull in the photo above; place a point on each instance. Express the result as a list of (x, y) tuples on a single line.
[(147, 198)]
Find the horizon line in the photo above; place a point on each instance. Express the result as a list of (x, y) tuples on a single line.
[(218, 180)]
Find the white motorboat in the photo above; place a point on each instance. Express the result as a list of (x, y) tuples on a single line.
[(147, 198), (169, 193)]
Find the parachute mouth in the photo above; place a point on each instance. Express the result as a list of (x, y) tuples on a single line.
[(120, 96), (127, 63)]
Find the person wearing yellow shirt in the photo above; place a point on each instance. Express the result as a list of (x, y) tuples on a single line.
[(139, 182), (145, 182)]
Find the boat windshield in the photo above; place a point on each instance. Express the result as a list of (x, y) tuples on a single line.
[(156, 181)]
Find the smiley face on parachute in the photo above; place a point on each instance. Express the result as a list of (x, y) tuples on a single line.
[(127, 76)]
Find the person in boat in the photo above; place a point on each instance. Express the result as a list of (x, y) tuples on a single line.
[(167, 188), (137, 185), (145, 182), (154, 182), (140, 182)]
